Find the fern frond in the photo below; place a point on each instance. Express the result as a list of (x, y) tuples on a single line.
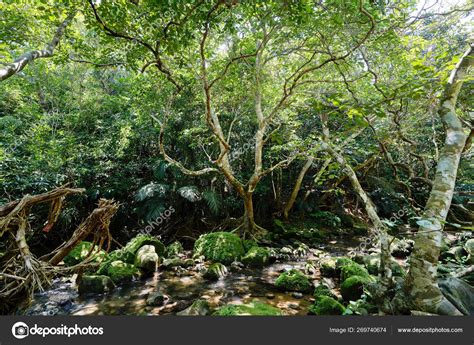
[(213, 201)]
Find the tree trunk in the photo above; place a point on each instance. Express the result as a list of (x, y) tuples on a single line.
[(381, 232), (297, 187), (421, 282), (21, 62), (249, 225)]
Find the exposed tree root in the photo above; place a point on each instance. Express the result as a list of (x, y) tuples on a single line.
[(21, 273)]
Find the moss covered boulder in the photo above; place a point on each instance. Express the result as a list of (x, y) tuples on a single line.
[(342, 261), (198, 308), (223, 247), (174, 249), (360, 307), (353, 287), (353, 269), (256, 257), (293, 280), (147, 259), (169, 264), (249, 244), (327, 267), (216, 271), (326, 306), (121, 272), (81, 251), (95, 284), (253, 308), (322, 290), (132, 247)]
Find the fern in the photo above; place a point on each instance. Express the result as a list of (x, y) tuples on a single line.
[(151, 190), (160, 168), (190, 193), (213, 201)]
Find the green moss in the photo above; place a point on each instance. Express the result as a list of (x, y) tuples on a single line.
[(353, 269), (216, 271), (322, 290), (353, 287), (326, 306), (120, 272), (223, 247), (253, 308), (249, 244), (136, 243), (80, 252), (293, 280), (343, 262), (256, 257), (174, 249), (327, 267), (360, 307), (95, 284)]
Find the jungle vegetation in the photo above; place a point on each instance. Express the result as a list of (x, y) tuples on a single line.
[(206, 135)]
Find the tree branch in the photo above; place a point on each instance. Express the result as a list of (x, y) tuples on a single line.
[(21, 62)]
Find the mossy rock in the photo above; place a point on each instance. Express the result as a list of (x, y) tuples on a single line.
[(360, 307), (174, 249), (402, 248), (469, 246), (327, 267), (322, 290), (121, 272), (216, 271), (293, 280), (95, 284), (199, 307), (326, 306), (457, 253), (115, 255), (147, 259), (372, 263), (80, 252), (176, 262), (254, 308), (353, 287), (249, 244), (256, 257), (136, 243), (342, 261), (223, 247), (353, 269)]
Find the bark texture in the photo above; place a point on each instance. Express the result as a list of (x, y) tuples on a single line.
[(421, 282), (20, 63)]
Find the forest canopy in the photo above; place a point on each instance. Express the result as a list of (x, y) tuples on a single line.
[(287, 123)]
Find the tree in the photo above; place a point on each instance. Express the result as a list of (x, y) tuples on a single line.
[(421, 282)]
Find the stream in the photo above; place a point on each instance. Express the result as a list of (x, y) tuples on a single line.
[(182, 286)]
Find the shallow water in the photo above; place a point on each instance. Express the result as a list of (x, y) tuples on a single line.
[(183, 286)]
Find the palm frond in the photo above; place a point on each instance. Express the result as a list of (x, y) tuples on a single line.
[(151, 190), (190, 193)]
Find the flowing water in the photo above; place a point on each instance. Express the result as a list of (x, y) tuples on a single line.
[(183, 286)]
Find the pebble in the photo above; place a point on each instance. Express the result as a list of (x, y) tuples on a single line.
[(297, 295), (270, 296), (294, 306)]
